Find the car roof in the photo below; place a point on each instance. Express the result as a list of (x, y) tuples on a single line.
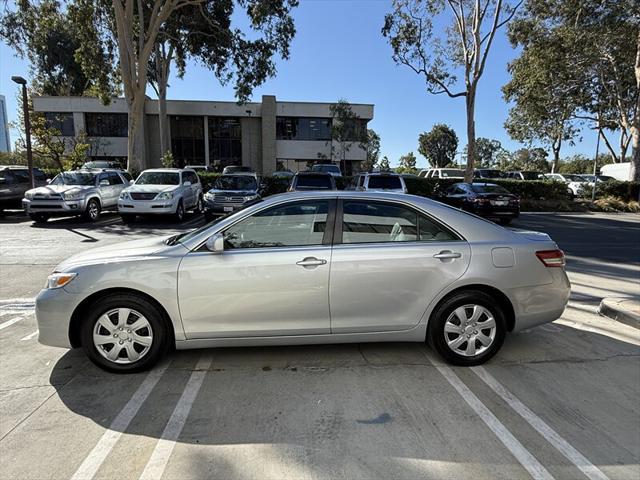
[(168, 170), (315, 174), (384, 174)]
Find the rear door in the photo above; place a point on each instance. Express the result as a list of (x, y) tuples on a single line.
[(389, 261)]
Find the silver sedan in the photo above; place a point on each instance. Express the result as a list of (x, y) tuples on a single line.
[(308, 268)]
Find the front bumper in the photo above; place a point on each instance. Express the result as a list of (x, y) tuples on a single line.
[(54, 207), (147, 207), (54, 308), (223, 208)]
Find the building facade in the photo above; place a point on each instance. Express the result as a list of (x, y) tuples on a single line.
[(267, 136), (5, 143)]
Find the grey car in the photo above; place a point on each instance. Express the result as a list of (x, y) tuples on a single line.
[(308, 268), (14, 182), (74, 193)]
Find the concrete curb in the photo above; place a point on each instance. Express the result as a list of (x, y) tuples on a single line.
[(624, 310)]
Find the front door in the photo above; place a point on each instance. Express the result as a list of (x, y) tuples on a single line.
[(272, 278), (390, 263)]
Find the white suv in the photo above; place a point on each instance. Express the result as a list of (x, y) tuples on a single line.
[(162, 191), (442, 173), (389, 182)]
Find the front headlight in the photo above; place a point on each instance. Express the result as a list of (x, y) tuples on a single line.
[(124, 195), (164, 196), (209, 196), (249, 198), (58, 280), (28, 195), (72, 196)]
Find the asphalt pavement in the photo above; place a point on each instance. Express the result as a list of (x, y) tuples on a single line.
[(559, 401)]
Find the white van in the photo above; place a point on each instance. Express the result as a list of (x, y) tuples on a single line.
[(619, 171)]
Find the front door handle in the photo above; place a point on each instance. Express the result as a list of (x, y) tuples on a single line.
[(311, 262), (447, 255)]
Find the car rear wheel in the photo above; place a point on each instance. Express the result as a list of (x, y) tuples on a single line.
[(92, 212), (468, 328), (39, 217), (124, 334)]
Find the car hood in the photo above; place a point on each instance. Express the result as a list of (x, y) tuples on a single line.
[(124, 251), (151, 188), (54, 189), (233, 192)]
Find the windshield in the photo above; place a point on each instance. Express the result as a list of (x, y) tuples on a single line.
[(451, 172), (314, 181), (325, 168), (489, 189), (385, 183), (158, 178), (183, 237), (74, 178), (531, 175), (236, 182), (574, 178)]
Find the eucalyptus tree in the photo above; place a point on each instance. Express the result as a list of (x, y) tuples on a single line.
[(440, 55), (439, 145)]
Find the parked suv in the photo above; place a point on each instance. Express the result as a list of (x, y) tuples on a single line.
[(330, 168), (14, 182), (390, 182), (75, 193), (237, 169), (442, 173), (575, 183), (312, 181), (525, 175), (230, 193), (162, 191), (488, 173)]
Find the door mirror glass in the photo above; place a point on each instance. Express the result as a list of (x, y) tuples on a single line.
[(48, 181), (131, 182), (104, 183), (215, 243), (187, 183)]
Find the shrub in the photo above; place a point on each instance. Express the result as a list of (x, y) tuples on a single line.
[(625, 191)]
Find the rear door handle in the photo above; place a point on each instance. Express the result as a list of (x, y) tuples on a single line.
[(311, 262), (446, 255)]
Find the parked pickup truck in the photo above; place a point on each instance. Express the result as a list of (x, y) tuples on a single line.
[(76, 193)]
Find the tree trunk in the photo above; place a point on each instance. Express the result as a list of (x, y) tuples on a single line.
[(163, 119), (471, 135), (556, 154), (136, 142)]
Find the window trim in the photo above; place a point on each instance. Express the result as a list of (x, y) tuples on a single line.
[(337, 232)]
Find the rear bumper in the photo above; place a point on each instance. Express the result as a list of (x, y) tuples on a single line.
[(540, 304), (54, 207)]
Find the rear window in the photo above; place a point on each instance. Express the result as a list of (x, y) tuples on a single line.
[(451, 172), (314, 181), (385, 183), (489, 189)]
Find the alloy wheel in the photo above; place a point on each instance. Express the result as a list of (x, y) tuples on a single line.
[(93, 210), (122, 335), (470, 330)]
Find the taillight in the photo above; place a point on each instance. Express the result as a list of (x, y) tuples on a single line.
[(551, 258)]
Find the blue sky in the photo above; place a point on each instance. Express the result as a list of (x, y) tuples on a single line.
[(338, 52)]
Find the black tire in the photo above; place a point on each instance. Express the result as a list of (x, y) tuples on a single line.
[(208, 216), (436, 333), (178, 216), (93, 210), (127, 218), (199, 208), (505, 221), (39, 217), (158, 347)]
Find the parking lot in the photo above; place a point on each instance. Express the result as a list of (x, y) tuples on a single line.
[(558, 401)]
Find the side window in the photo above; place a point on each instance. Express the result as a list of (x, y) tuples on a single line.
[(379, 222), (361, 180), (39, 175), (9, 178), (127, 176), (292, 225), (101, 177), (460, 190), (114, 179), (195, 179), (21, 176)]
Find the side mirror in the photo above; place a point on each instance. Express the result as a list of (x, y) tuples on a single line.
[(131, 182), (187, 183), (104, 183), (215, 243), (48, 181)]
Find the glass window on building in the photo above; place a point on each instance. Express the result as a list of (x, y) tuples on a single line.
[(106, 124), (303, 128), (225, 141), (187, 140), (60, 121)]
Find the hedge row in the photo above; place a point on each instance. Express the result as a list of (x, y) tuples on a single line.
[(423, 187), (625, 191)]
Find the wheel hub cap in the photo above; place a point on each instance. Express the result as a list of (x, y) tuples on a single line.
[(122, 336), (470, 330)]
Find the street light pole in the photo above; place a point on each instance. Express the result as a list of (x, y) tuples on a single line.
[(27, 125)]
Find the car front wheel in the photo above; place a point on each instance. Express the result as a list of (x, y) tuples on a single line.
[(124, 333), (179, 215), (39, 217), (92, 212), (468, 328)]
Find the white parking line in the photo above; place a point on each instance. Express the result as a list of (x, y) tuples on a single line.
[(8, 323), (526, 459), (92, 462), (29, 337), (573, 455), (160, 456)]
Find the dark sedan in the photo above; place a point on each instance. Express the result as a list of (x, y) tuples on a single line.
[(303, 181), (485, 199)]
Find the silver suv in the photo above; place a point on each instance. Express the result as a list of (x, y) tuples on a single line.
[(169, 191), (75, 193)]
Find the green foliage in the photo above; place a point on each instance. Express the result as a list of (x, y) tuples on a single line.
[(439, 145), (373, 151), (384, 164), (407, 164), (167, 160), (486, 151), (529, 159), (625, 191)]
